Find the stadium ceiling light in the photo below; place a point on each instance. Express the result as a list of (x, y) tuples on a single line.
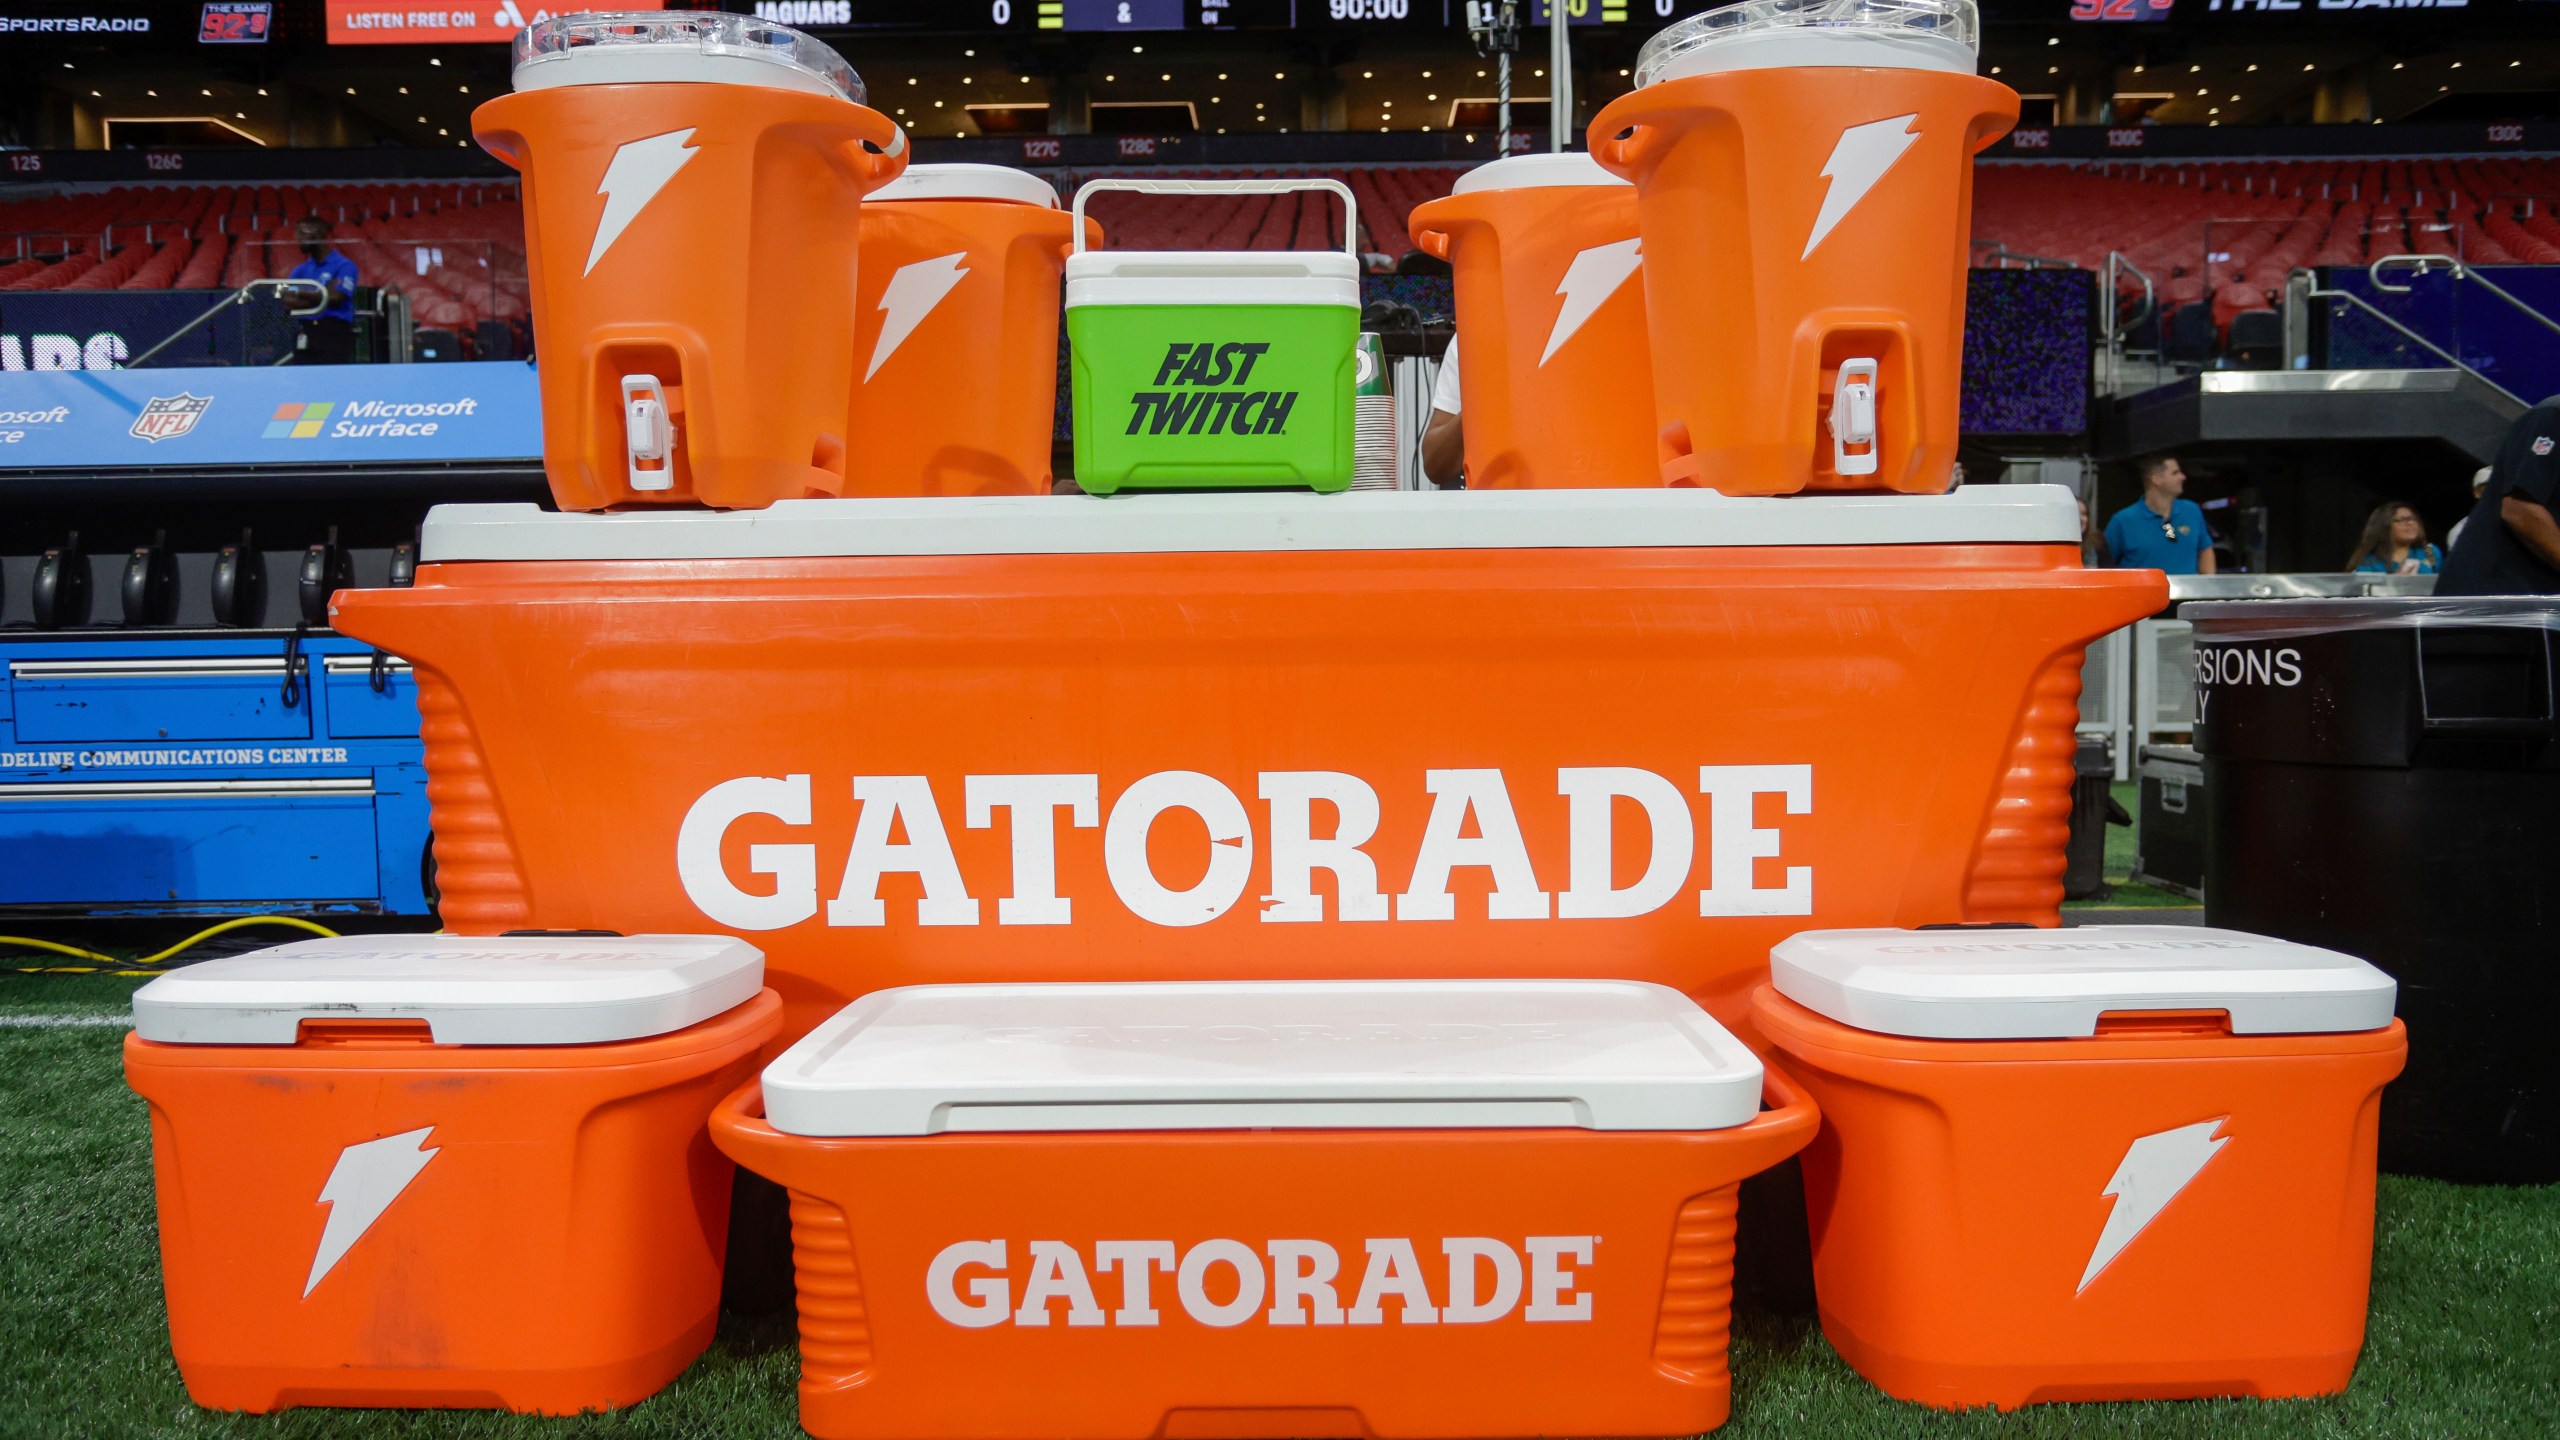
[(2054, 40), (422, 119), (66, 65), (2399, 64), (1368, 74), (154, 94), (965, 80), (2200, 94), (1471, 139), (1279, 74), (2216, 110), (2306, 69), (1166, 76), (2053, 69), (2235, 99), (2457, 64), (2253, 69), (1540, 74), (96, 95), (465, 89), (262, 89), (1430, 97), (1426, 74), (2137, 69), (2195, 69), (1110, 77), (937, 104), (432, 60), (1137, 49), (443, 131), (1479, 75), (204, 92), (972, 54), (403, 90), (1995, 69), (1215, 99), (1222, 74), (1622, 74)]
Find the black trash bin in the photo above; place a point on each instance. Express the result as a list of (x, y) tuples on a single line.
[(2084, 864), (2382, 777)]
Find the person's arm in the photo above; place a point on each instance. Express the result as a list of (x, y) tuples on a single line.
[(2534, 527), (1444, 447)]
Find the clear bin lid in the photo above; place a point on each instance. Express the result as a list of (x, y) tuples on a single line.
[(470, 989), (636, 47), (1536, 172), (1773, 34), (2054, 984), (1593, 1055), (2270, 619), (967, 182)]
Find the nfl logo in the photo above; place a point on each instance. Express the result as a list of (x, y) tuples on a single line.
[(2541, 444), (166, 417)]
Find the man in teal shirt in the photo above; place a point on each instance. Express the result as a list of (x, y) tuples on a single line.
[(2162, 530)]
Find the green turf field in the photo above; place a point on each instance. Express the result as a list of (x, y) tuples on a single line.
[(2466, 1304)]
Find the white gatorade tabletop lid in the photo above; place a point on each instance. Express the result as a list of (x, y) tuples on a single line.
[(1536, 172), (967, 182), (2026, 984), (470, 989), (1781, 34), (1256, 522), (1324, 1054)]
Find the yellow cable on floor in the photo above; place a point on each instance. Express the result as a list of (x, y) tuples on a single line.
[(78, 953)]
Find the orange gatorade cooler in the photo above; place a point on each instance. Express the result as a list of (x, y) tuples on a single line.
[(1372, 1209), (1551, 328), (2111, 1163), (693, 190), (1804, 182), (955, 342), (1162, 737), (436, 1171)]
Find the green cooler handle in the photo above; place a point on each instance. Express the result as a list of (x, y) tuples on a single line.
[(1350, 208)]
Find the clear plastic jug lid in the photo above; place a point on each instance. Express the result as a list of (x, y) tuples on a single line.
[(1768, 34), (647, 46)]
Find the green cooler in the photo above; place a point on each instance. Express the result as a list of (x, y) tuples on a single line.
[(1213, 369)]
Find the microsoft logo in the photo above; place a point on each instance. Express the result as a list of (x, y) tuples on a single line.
[(298, 421)]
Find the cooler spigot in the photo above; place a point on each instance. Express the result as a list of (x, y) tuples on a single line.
[(648, 433), (1853, 418)]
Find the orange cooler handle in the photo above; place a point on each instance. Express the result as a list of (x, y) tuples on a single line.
[(890, 161)]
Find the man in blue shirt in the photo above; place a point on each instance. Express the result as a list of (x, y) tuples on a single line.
[(328, 338), (2161, 531)]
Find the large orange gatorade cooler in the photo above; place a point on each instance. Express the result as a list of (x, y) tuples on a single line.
[(437, 1171), (1361, 1209), (1551, 324), (2110, 1163), (1644, 733), (1804, 182), (693, 190), (955, 342)]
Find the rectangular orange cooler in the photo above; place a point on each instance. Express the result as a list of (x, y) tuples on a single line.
[(1643, 734), (2108, 1163), (443, 1171), (1334, 1209)]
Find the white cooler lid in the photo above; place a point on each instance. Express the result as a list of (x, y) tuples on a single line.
[(678, 47), (1343, 1054), (967, 182), (1212, 277), (470, 989), (1537, 172), (2054, 984)]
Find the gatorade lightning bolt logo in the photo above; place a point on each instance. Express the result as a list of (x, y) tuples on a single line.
[(1588, 282), (1857, 162), (369, 1175), (2155, 1170), (912, 294), (639, 170)]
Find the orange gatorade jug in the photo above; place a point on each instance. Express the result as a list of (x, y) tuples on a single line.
[(955, 341), (1551, 325), (1804, 182), (693, 190)]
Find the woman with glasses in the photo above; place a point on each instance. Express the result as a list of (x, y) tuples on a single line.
[(2395, 543)]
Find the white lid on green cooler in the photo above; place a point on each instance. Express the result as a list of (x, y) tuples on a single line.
[(1536, 172), (1778, 34), (1213, 277), (648, 47), (1374, 1054), (967, 182), (2026, 984), (470, 989)]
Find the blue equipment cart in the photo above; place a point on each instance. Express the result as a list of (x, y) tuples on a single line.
[(212, 772)]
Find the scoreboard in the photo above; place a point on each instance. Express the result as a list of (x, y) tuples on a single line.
[(1032, 17)]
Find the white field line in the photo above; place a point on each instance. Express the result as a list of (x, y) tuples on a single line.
[(64, 1022)]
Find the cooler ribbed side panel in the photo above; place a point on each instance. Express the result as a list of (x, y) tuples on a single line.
[(2017, 867), (480, 885), (835, 1330), (1697, 1294)]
